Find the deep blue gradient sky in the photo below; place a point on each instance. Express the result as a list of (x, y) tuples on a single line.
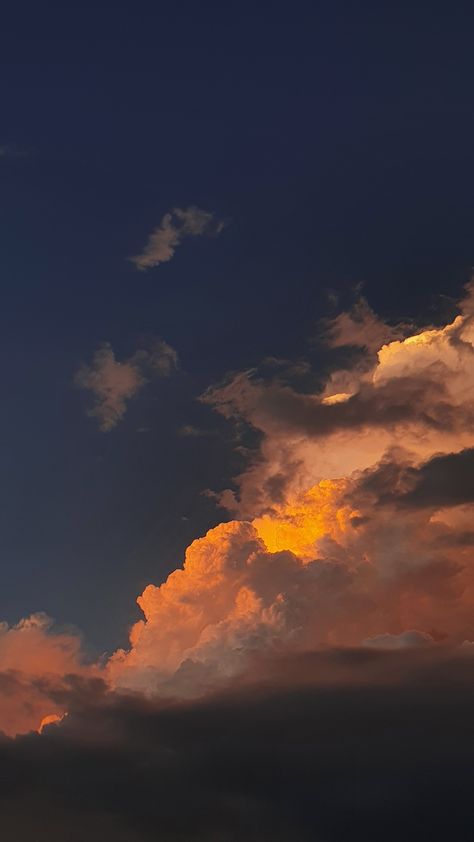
[(336, 138)]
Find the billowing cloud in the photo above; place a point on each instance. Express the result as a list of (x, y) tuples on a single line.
[(316, 572), (175, 226), (415, 393), (113, 383), (353, 530), (354, 518)]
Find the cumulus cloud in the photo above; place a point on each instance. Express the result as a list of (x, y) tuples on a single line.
[(175, 226), (354, 523), (315, 572), (113, 383), (346, 534)]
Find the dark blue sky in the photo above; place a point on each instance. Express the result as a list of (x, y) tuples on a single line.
[(336, 138)]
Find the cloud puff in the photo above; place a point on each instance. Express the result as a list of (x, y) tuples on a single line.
[(114, 383), (33, 657), (175, 226)]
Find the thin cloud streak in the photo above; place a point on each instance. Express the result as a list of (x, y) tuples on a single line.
[(175, 226)]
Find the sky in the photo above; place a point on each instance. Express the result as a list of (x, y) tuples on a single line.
[(237, 329), (336, 145)]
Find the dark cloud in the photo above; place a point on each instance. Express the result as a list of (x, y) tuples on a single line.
[(446, 480), (421, 400), (355, 745), (443, 481)]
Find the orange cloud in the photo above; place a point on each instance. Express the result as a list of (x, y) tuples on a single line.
[(321, 555), (415, 393), (315, 573), (348, 532), (33, 657)]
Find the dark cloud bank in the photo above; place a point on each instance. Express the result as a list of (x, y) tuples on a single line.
[(328, 747)]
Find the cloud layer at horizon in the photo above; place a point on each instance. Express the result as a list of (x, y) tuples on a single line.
[(338, 745)]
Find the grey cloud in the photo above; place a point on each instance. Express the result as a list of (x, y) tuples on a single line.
[(280, 407), (114, 383), (444, 481), (362, 328), (175, 226)]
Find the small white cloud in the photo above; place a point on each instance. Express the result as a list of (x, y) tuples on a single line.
[(175, 226), (114, 383)]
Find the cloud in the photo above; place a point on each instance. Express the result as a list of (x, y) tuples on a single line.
[(346, 532), (446, 480), (114, 383), (175, 226), (362, 328), (415, 393), (33, 657), (327, 746), (354, 522), (315, 572)]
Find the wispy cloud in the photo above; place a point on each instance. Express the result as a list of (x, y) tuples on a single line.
[(113, 382), (174, 227)]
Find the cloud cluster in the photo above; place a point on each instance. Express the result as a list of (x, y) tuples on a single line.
[(114, 383), (175, 226), (355, 518)]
